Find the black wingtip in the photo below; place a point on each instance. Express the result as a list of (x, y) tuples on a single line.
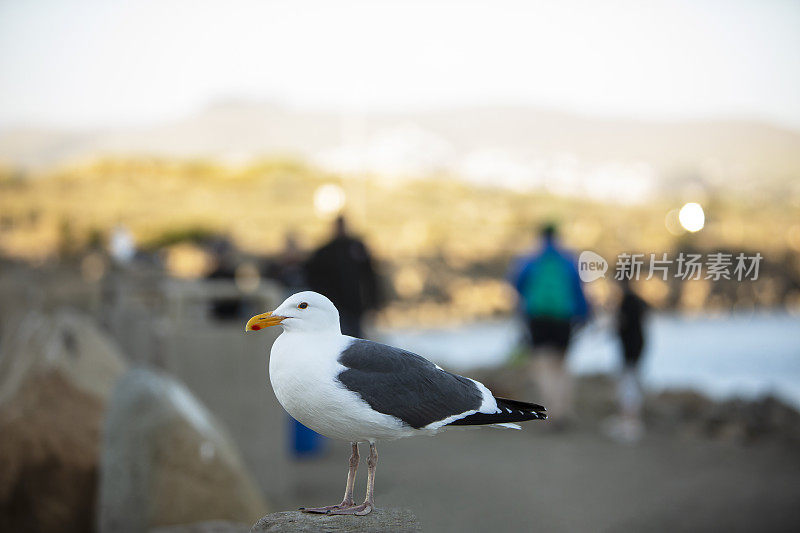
[(516, 404), (510, 411)]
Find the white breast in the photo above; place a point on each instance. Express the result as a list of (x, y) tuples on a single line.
[(303, 369)]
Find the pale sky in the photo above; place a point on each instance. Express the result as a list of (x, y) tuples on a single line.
[(86, 63)]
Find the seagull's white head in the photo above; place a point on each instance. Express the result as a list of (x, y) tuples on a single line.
[(306, 311)]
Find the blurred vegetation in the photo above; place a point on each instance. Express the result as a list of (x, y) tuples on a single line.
[(187, 234), (445, 245)]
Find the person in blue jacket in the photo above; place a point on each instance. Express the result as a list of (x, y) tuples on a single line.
[(552, 303)]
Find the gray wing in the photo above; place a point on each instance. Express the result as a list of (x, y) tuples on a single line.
[(404, 385)]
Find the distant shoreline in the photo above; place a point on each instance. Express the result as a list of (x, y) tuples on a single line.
[(739, 355)]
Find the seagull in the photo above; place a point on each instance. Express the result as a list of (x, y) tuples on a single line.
[(361, 391)]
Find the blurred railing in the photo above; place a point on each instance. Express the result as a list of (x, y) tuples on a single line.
[(189, 300)]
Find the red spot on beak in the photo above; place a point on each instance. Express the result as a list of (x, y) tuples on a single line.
[(255, 328)]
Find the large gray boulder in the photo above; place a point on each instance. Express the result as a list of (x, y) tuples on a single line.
[(167, 461), (56, 371), (394, 520), (67, 343)]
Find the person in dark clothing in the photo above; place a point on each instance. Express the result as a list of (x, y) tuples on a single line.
[(289, 267), (342, 270), (225, 262), (552, 303), (631, 313), (630, 325)]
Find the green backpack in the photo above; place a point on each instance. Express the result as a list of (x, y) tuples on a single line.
[(548, 289)]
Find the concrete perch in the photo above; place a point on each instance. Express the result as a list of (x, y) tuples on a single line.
[(395, 520)]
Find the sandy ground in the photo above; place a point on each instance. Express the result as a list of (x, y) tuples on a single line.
[(505, 480)]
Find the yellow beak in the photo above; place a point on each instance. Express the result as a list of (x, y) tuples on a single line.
[(262, 321)]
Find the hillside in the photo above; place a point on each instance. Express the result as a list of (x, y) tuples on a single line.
[(520, 148)]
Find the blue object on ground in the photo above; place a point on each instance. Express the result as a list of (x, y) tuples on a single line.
[(304, 443)]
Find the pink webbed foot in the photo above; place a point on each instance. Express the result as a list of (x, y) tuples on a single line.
[(328, 509), (358, 510)]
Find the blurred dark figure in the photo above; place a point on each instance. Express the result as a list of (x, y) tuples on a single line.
[(289, 268), (342, 270), (225, 263), (552, 303), (630, 324), (631, 313)]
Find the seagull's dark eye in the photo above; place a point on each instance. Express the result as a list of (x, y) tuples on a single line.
[(302, 305)]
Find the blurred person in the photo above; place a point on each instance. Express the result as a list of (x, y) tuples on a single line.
[(225, 261), (342, 269), (289, 267), (631, 314), (552, 304)]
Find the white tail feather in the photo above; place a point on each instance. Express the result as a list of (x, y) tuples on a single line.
[(508, 425)]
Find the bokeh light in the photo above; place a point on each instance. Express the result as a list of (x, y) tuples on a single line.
[(692, 217), (329, 199)]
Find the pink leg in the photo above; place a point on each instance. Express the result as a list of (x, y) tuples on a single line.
[(369, 502), (347, 502)]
